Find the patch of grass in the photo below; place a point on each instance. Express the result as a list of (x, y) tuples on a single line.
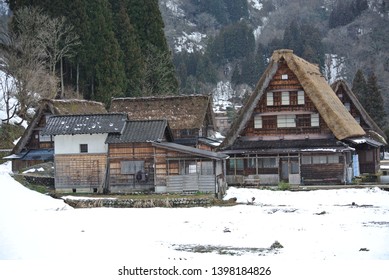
[(283, 186)]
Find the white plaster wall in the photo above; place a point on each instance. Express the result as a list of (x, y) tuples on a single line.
[(70, 144)]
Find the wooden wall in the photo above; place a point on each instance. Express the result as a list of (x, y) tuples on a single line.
[(277, 85), (80, 171)]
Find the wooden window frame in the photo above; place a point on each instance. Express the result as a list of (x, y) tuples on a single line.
[(285, 98), (315, 120), (300, 97), (286, 121), (258, 121), (270, 99), (84, 148)]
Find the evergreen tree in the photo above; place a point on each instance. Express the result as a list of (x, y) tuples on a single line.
[(374, 101), (237, 9), (106, 70), (216, 8), (305, 41), (147, 21), (359, 87), (292, 38), (129, 44)]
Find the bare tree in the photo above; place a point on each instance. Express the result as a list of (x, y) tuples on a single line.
[(23, 57), (30, 50), (59, 39), (7, 88)]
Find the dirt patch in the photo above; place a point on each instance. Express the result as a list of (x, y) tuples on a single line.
[(229, 250)]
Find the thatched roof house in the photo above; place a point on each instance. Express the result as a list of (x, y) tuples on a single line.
[(190, 113), (341, 88), (33, 140), (292, 128), (315, 86)]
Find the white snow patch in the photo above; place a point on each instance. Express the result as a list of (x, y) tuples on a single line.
[(189, 42), (172, 5), (32, 170), (334, 68), (256, 4)]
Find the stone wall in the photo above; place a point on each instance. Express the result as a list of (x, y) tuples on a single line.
[(141, 203)]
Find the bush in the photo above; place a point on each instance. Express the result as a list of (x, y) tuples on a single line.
[(283, 186)]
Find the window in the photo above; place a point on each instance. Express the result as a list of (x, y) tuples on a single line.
[(44, 138), (315, 120), (319, 159), (285, 99), (284, 76), (294, 166), (306, 160), (269, 99), (131, 166), (286, 121), (347, 105), (257, 121), (83, 148), (300, 97), (358, 119), (303, 120), (236, 163), (333, 159)]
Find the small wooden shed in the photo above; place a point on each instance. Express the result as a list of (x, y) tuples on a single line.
[(143, 158)]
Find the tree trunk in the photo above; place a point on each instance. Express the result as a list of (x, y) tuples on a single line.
[(62, 85)]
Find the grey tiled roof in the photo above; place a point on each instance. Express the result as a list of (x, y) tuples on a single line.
[(142, 131), (85, 124), (191, 150)]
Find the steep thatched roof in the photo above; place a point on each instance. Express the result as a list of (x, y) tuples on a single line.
[(73, 106), (58, 107), (182, 111), (372, 126), (333, 112)]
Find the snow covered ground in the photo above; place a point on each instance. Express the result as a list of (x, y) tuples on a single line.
[(334, 225)]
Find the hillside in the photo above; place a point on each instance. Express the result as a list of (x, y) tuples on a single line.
[(342, 36)]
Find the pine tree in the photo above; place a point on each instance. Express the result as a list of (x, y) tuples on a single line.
[(359, 87), (374, 101), (129, 44), (147, 21), (237, 9), (106, 70)]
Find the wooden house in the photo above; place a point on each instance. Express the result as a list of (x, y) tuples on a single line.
[(80, 151), (109, 153), (190, 117), (292, 128), (144, 159), (368, 146), (33, 147)]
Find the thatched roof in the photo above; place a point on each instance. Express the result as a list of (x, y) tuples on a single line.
[(182, 111), (330, 108), (373, 128), (73, 106), (58, 107)]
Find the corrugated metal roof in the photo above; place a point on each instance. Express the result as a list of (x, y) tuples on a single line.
[(142, 131), (85, 124), (191, 150)]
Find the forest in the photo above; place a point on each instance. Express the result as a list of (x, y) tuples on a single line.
[(99, 49)]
